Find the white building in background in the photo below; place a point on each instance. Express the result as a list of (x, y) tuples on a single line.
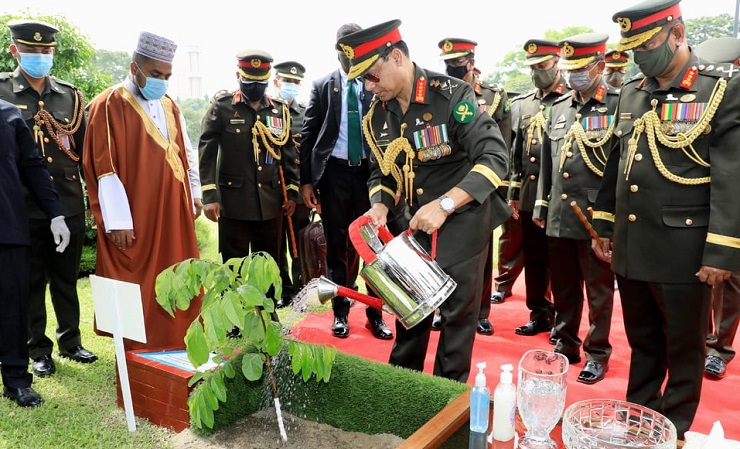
[(187, 79)]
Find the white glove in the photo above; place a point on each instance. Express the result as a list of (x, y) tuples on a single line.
[(60, 231)]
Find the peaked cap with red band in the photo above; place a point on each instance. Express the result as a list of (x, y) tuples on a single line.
[(254, 65), (364, 47), (540, 50), (639, 23), (453, 47), (616, 58), (581, 50)]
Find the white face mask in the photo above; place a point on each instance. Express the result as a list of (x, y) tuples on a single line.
[(580, 81), (289, 91)]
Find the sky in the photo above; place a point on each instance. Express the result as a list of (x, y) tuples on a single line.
[(305, 31)]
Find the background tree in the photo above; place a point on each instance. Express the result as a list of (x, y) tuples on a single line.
[(115, 64), (700, 29), (72, 59), (193, 109)]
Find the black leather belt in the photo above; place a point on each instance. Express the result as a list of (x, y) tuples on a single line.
[(345, 162)]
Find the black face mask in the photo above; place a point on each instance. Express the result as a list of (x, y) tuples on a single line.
[(457, 72), (253, 90)]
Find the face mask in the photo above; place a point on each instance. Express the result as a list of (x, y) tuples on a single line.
[(654, 62), (543, 79), (615, 79), (344, 61), (288, 91), (36, 65), (254, 90), (580, 81), (154, 89), (457, 72)]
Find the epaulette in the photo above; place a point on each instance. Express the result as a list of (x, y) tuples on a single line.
[(222, 94), (63, 83), (278, 100), (637, 77), (719, 70), (531, 93), (563, 97), (444, 85), (6, 75), (492, 86)]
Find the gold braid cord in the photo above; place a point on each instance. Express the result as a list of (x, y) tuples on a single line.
[(262, 131), (54, 128), (494, 105), (578, 134), (535, 128), (387, 159), (650, 124)]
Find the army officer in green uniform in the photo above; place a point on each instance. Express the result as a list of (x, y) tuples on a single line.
[(674, 232), (434, 150), (248, 162)]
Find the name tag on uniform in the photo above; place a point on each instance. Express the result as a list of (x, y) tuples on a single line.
[(237, 121)]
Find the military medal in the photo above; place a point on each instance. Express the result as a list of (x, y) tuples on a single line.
[(432, 143), (680, 117)]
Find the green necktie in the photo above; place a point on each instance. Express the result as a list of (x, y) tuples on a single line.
[(354, 138)]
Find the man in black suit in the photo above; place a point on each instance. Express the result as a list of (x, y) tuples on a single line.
[(20, 165), (329, 176)]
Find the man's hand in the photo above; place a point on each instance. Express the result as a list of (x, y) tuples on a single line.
[(713, 276), (122, 238), (309, 196), (429, 218), (602, 249), (212, 211), (514, 205), (60, 231), (198, 207), (289, 208), (538, 222), (379, 215)]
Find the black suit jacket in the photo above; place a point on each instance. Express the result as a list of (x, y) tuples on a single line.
[(321, 125)]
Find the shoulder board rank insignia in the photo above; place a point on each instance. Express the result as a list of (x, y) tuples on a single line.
[(464, 112), (689, 77), (559, 89), (420, 90)]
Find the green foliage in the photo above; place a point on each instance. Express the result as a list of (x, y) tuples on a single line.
[(115, 64), (72, 58), (702, 28), (238, 293), (193, 109)]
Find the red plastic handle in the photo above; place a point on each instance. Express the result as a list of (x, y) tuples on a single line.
[(355, 236)]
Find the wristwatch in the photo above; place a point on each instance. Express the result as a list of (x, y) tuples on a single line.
[(447, 204)]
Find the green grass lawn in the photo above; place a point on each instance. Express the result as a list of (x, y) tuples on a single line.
[(80, 409)]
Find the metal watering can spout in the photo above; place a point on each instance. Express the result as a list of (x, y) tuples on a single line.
[(327, 290)]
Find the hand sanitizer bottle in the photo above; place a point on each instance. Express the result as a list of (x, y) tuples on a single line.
[(504, 406), (480, 402)]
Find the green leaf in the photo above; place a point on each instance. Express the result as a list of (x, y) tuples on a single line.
[(252, 364), (209, 396), (254, 329), (274, 338), (232, 308), (195, 342), (219, 388), (206, 414), (296, 356), (195, 378)]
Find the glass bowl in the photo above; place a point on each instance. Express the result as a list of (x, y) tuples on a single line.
[(612, 424)]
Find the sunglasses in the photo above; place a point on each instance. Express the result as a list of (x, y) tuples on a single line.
[(373, 77)]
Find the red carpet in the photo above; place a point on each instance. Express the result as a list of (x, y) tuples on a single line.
[(718, 400)]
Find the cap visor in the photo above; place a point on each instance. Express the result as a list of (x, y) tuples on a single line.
[(538, 59)]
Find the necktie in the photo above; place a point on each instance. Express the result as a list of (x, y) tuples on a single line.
[(354, 138)]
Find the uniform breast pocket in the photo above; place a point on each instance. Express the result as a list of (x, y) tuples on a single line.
[(557, 140), (235, 137), (623, 131), (686, 216), (227, 181), (71, 173)]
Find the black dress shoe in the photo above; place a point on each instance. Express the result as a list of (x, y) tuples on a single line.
[(24, 397), (234, 333), (284, 301), (379, 328), (553, 338), (533, 327), (715, 367), (484, 327), (593, 372), (572, 359), (43, 366), (437, 321), (340, 328), (78, 354), (499, 297)]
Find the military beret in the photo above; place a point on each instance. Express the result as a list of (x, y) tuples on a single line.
[(453, 47), (290, 69), (639, 23), (581, 50), (254, 65), (616, 58), (156, 47), (539, 50), (33, 32), (364, 47), (719, 49)]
